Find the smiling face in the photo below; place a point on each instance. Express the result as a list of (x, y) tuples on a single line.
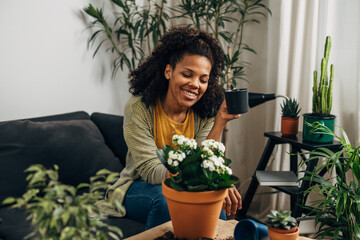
[(188, 81)]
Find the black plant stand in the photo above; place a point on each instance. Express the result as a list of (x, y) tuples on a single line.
[(296, 193)]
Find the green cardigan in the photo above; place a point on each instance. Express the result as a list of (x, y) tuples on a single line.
[(141, 159)]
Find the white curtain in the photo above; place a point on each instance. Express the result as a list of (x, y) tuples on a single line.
[(290, 47)]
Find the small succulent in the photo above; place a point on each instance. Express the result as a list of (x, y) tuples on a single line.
[(280, 220), (290, 108)]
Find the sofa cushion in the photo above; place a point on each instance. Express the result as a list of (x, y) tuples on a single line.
[(111, 127), (79, 115), (76, 146)]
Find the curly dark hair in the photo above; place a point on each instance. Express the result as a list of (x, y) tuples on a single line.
[(148, 79)]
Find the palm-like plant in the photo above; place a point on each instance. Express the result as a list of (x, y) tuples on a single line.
[(338, 210), (136, 30)]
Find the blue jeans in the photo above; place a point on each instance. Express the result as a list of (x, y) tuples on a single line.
[(145, 203)]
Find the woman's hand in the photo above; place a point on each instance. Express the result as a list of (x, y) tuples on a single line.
[(222, 117), (232, 202)]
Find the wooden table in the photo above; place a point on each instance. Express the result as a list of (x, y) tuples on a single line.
[(224, 230)]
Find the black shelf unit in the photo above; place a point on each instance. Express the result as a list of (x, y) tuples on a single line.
[(297, 144)]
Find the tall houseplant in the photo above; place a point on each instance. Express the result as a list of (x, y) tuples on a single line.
[(135, 30), (197, 187), (322, 101), (337, 212)]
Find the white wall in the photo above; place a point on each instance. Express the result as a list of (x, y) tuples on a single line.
[(45, 66)]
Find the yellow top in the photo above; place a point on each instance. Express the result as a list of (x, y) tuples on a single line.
[(165, 128)]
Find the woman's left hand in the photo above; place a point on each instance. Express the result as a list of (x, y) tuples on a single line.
[(232, 202)]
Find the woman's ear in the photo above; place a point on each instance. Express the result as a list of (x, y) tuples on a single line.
[(168, 71)]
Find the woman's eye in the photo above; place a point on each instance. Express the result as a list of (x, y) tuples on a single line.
[(186, 75), (203, 80)]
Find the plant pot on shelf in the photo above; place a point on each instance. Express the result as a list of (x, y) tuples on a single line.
[(279, 234), (290, 117), (318, 137), (194, 215), (289, 126)]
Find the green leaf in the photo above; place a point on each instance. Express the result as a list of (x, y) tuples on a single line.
[(83, 185), (357, 231), (9, 200), (177, 187), (197, 188), (67, 232)]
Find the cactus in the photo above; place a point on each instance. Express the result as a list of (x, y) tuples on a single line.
[(322, 92), (280, 220), (290, 108)]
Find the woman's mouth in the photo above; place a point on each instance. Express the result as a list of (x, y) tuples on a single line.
[(189, 94)]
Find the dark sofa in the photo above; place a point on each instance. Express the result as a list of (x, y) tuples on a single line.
[(78, 143)]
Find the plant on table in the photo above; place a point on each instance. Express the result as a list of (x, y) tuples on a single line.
[(290, 116), (58, 211), (197, 169), (337, 212), (321, 100), (197, 185), (281, 225)]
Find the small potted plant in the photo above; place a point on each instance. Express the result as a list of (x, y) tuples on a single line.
[(322, 102), (197, 185), (290, 117), (281, 226)]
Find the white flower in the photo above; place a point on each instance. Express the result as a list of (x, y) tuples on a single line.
[(211, 167), (170, 162), (175, 163), (213, 145), (228, 170)]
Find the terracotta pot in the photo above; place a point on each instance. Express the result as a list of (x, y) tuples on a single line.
[(194, 215), (278, 234), (289, 126)]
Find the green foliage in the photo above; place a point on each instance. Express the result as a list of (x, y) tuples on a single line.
[(136, 29), (322, 92), (280, 220), (57, 211), (337, 212), (290, 108)]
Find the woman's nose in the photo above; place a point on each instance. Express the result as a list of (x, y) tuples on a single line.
[(195, 83)]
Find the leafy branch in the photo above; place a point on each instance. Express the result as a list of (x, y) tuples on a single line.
[(58, 211), (138, 28)]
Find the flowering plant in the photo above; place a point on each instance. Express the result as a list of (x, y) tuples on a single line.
[(196, 169)]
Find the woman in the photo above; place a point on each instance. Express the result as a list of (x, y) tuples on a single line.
[(176, 91)]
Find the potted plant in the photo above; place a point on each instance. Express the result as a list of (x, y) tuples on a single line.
[(58, 211), (197, 185), (322, 101), (337, 208), (290, 116), (281, 226)]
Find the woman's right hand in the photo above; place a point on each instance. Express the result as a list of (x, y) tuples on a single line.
[(221, 118)]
